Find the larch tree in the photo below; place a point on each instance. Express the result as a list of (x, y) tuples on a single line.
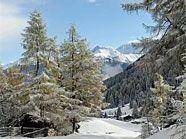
[(16, 85), (44, 96), (34, 43), (11, 106), (4, 96), (160, 98), (81, 74)]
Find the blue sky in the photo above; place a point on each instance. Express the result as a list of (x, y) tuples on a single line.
[(102, 22)]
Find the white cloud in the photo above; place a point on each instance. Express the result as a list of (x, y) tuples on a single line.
[(11, 19), (92, 1)]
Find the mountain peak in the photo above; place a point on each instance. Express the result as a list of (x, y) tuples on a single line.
[(113, 60)]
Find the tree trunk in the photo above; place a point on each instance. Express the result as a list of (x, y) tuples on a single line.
[(37, 64)]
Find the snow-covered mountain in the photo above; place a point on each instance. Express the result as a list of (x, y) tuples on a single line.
[(5, 66), (115, 60)]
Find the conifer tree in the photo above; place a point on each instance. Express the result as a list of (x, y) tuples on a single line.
[(16, 85), (118, 113), (34, 43), (11, 106), (160, 98), (43, 95), (81, 73), (183, 88), (180, 132), (169, 19), (4, 95), (3, 81), (135, 112), (146, 131)]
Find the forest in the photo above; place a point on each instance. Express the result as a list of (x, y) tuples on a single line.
[(60, 90)]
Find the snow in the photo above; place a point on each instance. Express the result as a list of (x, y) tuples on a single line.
[(164, 134), (99, 128), (114, 61), (125, 110), (108, 127), (114, 54)]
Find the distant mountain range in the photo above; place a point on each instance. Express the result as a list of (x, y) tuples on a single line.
[(116, 60)]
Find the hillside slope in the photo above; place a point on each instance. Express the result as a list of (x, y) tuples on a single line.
[(135, 82)]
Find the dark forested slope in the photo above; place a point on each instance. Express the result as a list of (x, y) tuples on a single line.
[(135, 82)]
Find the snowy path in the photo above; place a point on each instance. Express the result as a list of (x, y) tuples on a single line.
[(109, 127), (97, 128)]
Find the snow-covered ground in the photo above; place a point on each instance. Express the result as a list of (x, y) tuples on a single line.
[(109, 127), (125, 110), (99, 128)]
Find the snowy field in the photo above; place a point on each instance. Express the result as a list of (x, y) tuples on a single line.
[(101, 128), (125, 110), (97, 128)]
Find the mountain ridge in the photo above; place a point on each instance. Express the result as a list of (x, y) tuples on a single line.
[(114, 61)]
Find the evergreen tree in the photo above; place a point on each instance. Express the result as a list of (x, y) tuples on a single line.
[(51, 49), (4, 95), (105, 115), (43, 95), (80, 73), (183, 88), (34, 43), (131, 104), (135, 112), (146, 131), (111, 100), (160, 98), (11, 104), (3, 81), (168, 16), (181, 128), (16, 86), (147, 106), (118, 113)]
